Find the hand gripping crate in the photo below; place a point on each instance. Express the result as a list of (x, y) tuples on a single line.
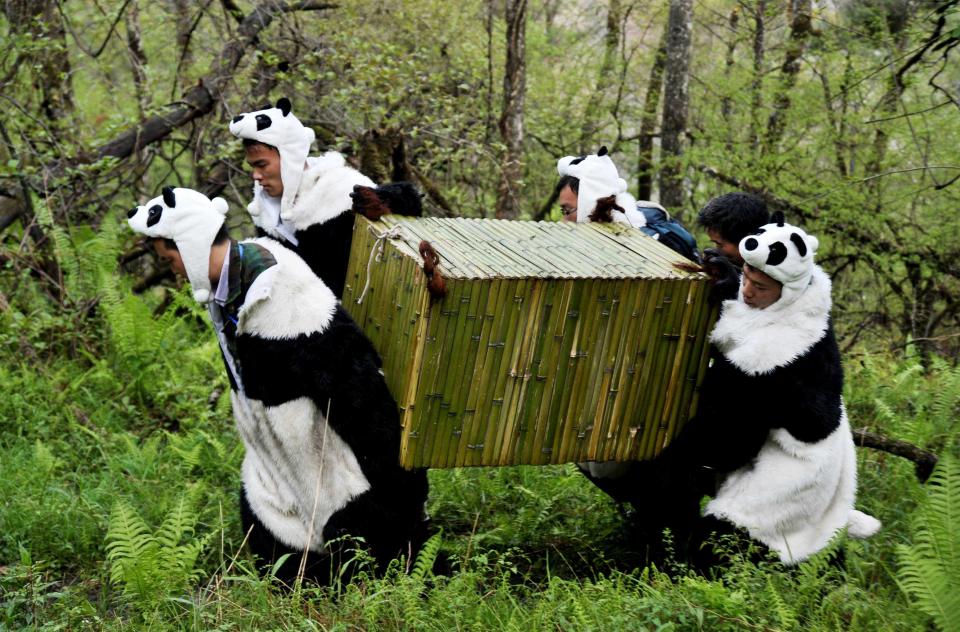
[(555, 342)]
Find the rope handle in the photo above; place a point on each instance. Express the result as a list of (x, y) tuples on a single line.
[(377, 250)]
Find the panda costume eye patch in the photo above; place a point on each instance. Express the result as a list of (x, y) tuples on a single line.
[(263, 122), (154, 213), (799, 243), (778, 253)]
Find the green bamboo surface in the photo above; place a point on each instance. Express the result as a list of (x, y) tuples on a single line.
[(556, 342)]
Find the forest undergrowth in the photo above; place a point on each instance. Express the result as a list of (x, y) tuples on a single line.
[(119, 474)]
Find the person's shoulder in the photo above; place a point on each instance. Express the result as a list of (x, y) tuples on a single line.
[(286, 299)]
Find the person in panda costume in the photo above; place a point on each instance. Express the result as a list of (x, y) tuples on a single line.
[(771, 418), (304, 201), (320, 428)]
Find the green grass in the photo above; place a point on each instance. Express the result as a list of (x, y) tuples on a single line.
[(107, 435)]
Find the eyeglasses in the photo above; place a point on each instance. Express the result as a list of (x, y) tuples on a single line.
[(567, 210)]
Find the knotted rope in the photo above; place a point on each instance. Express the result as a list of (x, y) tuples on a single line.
[(377, 250)]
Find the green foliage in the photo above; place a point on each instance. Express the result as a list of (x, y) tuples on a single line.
[(151, 566), (930, 567)]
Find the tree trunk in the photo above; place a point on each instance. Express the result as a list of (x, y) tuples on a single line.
[(49, 64), (756, 86), (511, 116), (489, 128), (184, 22), (726, 104), (138, 58), (675, 103), (593, 113), (800, 30), (651, 104)]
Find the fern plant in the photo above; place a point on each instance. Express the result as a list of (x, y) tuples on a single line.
[(152, 565), (929, 568)]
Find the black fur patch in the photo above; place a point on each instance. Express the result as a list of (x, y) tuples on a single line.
[(133, 211), (169, 198), (602, 151), (263, 122), (751, 244), (326, 249), (577, 161), (799, 243), (154, 213), (284, 105), (777, 218), (778, 253), (238, 118)]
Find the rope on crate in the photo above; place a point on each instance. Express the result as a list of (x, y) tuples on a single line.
[(435, 283), (377, 250)]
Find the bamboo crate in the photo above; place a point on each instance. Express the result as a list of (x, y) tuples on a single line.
[(556, 342)]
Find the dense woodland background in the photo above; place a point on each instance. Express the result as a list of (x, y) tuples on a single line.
[(118, 462)]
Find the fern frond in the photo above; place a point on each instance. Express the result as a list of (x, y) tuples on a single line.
[(427, 557), (929, 569)]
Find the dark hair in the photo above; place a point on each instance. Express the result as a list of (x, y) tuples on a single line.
[(569, 181), (222, 235), (250, 142), (734, 215)]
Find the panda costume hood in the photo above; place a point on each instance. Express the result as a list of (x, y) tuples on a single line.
[(599, 179), (313, 214), (798, 490), (315, 189), (192, 221)]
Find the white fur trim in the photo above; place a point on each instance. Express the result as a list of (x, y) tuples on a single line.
[(297, 471), (324, 193), (796, 496), (299, 302), (192, 223), (760, 340)]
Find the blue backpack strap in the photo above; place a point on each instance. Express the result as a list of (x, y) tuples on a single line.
[(668, 231)]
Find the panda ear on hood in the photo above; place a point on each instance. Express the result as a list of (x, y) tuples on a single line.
[(602, 151), (777, 218), (284, 105), (169, 198)]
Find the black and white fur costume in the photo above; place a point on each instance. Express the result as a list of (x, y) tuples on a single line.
[(783, 441), (320, 428), (313, 216)]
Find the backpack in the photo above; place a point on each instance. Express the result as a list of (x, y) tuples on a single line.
[(667, 230)]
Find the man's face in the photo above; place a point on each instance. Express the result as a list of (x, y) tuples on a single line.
[(265, 162), (568, 204), (759, 290), (170, 256), (727, 248)]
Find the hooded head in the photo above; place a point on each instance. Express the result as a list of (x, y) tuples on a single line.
[(783, 252), (278, 127), (192, 221), (598, 179)]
